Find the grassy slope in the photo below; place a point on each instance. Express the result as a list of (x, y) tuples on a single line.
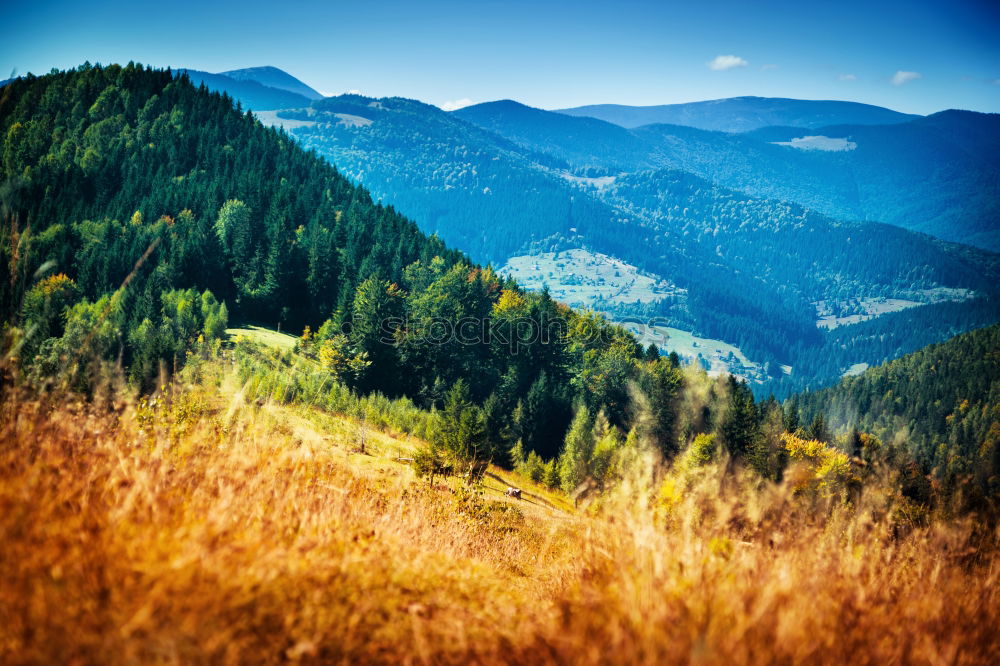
[(205, 528), (266, 336), (344, 434)]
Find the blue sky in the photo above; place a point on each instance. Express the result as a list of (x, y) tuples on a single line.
[(916, 57)]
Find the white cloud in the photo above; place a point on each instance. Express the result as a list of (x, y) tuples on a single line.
[(457, 104), (901, 77), (353, 92), (724, 62), (767, 67), (847, 77)]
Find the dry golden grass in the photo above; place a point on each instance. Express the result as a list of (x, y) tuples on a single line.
[(205, 531)]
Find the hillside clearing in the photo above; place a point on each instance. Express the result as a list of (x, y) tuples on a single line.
[(265, 336), (581, 278)]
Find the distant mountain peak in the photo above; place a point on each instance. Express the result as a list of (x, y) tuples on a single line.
[(501, 103), (497, 106), (273, 77)]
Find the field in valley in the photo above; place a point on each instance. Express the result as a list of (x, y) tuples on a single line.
[(853, 311), (579, 278), (715, 356)]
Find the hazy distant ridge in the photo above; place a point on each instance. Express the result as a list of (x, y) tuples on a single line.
[(273, 77), (250, 94), (743, 114)]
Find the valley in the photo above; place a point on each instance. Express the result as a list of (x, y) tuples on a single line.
[(579, 175), (595, 281)]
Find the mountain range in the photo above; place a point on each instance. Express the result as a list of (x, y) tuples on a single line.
[(754, 238), (742, 114), (938, 174)]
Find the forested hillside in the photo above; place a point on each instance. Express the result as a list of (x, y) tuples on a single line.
[(793, 257), (942, 402), (594, 146), (936, 174), (882, 339), (143, 213), (953, 152), (479, 192), (102, 164)]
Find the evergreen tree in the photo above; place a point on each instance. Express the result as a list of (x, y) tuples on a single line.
[(740, 427), (661, 384), (854, 444), (818, 430), (792, 415), (377, 308), (577, 450), (551, 477), (517, 455), (461, 428)]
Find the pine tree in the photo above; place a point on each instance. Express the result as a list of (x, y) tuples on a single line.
[(740, 427), (551, 478), (461, 428), (603, 456), (517, 455), (818, 430), (792, 415), (376, 310), (495, 423), (578, 447)]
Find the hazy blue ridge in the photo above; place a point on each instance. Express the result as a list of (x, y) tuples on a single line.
[(938, 174), (273, 77), (743, 114), (250, 94)]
